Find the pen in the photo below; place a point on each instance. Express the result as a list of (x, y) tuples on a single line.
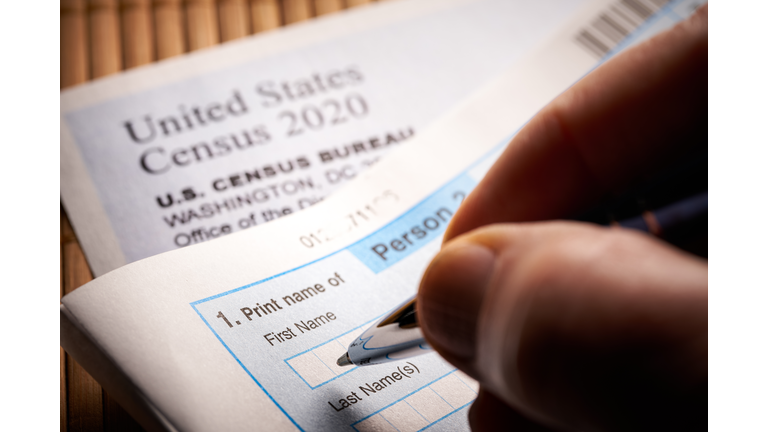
[(398, 336)]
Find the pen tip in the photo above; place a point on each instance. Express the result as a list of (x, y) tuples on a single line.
[(344, 360)]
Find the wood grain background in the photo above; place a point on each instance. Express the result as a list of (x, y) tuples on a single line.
[(101, 37)]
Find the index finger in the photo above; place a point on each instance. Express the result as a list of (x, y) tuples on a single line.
[(633, 115)]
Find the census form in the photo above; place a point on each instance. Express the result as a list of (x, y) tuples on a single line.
[(215, 142), (239, 333)]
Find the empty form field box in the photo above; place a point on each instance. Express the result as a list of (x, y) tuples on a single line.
[(424, 407), (317, 366)]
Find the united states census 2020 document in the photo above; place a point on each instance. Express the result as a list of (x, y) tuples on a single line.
[(205, 145), (242, 332)]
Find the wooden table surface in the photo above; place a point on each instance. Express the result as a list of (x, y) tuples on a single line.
[(101, 37)]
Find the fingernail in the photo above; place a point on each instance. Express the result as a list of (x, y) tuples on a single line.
[(450, 297)]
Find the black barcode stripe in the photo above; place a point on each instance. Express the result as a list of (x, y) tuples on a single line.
[(593, 43), (640, 9), (614, 23), (635, 21), (659, 3), (618, 27), (604, 25)]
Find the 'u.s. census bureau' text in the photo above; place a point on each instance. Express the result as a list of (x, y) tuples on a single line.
[(271, 186)]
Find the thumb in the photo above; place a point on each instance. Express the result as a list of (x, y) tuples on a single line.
[(574, 325)]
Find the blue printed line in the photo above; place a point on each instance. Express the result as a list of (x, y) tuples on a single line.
[(445, 416), (438, 395), (385, 419), (333, 338), (263, 280), (298, 374), (465, 383), (409, 394), (390, 423), (674, 15), (321, 361), (417, 411), (318, 346), (247, 371), (322, 383)]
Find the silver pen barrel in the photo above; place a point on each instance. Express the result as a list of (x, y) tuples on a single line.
[(396, 336)]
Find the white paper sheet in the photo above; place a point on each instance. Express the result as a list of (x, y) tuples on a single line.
[(209, 144), (183, 328)]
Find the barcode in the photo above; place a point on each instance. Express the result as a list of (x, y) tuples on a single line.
[(615, 23)]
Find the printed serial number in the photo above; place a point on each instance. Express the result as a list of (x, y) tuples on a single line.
[(350, 221)]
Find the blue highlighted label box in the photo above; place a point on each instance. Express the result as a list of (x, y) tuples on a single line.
[(414, 229)]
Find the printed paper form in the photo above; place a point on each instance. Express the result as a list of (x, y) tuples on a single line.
[(215, 336), (207, 155), (273, 328)]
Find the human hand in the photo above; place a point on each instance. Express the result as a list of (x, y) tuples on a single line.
[(568, 325)]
